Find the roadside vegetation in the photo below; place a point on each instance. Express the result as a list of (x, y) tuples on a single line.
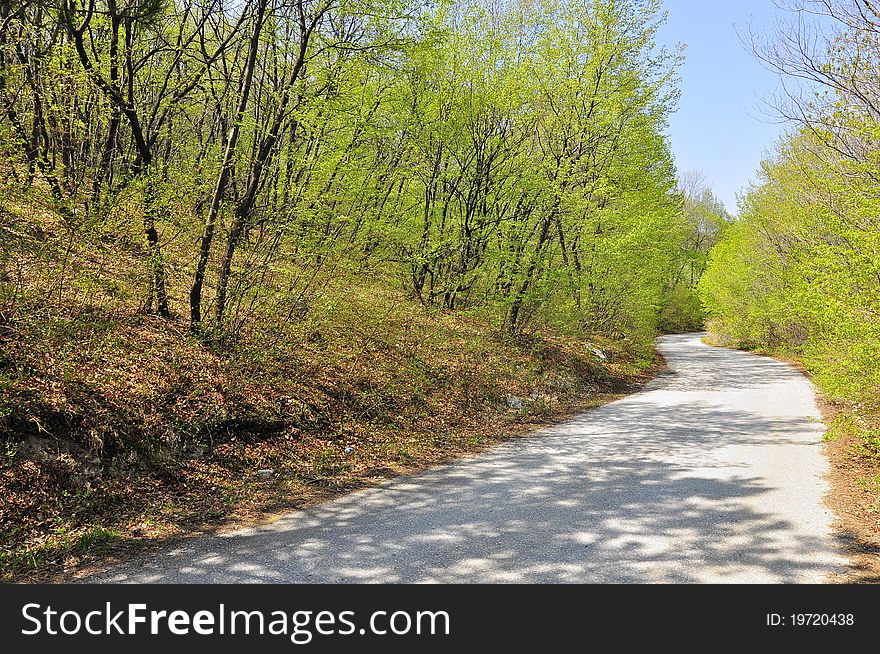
[(798, 274), (256, 253)]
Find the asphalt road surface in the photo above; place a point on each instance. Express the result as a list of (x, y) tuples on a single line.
[(713, 473)]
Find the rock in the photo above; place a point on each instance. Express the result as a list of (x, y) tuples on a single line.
[(514, 402), (600, 354), (266, 474), (348, 450)]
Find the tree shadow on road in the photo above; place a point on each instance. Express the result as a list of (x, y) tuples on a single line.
[(574, 503)]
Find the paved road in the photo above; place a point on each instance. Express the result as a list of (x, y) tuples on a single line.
[(712, 474)]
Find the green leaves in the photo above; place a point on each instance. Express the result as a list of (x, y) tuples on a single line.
[(506, 156), (799, 270), (539, 167)]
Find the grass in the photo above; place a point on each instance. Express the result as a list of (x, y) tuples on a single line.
[(64, 544), (858, 427)]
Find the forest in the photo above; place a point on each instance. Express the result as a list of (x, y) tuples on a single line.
[(798, 273), (509, 157), (321, 237)]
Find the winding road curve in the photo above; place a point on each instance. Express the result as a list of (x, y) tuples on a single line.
[(713, 473)]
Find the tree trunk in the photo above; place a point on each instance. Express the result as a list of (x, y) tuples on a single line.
[(195, 295), (264, 155)]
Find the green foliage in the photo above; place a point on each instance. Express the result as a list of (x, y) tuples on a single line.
[(508, 157), (798, 272), (542, 180), (704, 220)]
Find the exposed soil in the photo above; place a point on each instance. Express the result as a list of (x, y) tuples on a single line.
[(855, 499)]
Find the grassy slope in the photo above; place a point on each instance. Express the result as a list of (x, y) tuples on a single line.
[(118, 428)]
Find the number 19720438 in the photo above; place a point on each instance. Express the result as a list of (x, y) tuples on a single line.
[(811, 620)]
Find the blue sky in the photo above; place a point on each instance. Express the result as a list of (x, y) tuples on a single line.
[(721, 127)]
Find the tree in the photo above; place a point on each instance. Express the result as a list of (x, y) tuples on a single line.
[(195, 297), (798, 271), (137, 38), (508, 157)]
